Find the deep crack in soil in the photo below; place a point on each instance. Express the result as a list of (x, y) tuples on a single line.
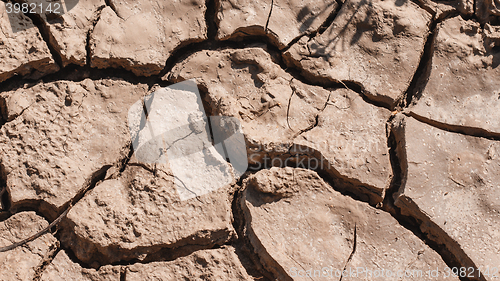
[(246, 251), (242, 244)]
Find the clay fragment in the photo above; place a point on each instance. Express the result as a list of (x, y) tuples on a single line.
[(301, 228), (68, 25), (22, 49), (22, 262), (374, 44), (451, 186), (287, 20), (63, 268), (213, 265), (287, 122), (139, 213)]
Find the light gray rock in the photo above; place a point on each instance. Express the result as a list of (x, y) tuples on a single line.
[(375, 44), (22, 49), (140, 36), (302, 229), (451, 185), (22, 262), (64, 135), (289, 19), (463, 88)]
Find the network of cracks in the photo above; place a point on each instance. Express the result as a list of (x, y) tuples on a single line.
[(371, 127)]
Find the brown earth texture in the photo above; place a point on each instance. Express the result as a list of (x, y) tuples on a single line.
[(370, 128)]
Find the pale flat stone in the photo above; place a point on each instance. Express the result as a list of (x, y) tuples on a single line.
[(177, 132), (20, 264)]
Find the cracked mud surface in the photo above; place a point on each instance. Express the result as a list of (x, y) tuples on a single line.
[(371, 129), (318, 227)]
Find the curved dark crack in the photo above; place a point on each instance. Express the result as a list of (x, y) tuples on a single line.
[(350, 187), (419, 79), (451, 252), (210, 18)]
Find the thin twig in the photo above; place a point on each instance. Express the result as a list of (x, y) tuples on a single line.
[(38, 234)]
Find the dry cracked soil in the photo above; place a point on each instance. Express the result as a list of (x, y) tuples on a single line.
[(371, 130)]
